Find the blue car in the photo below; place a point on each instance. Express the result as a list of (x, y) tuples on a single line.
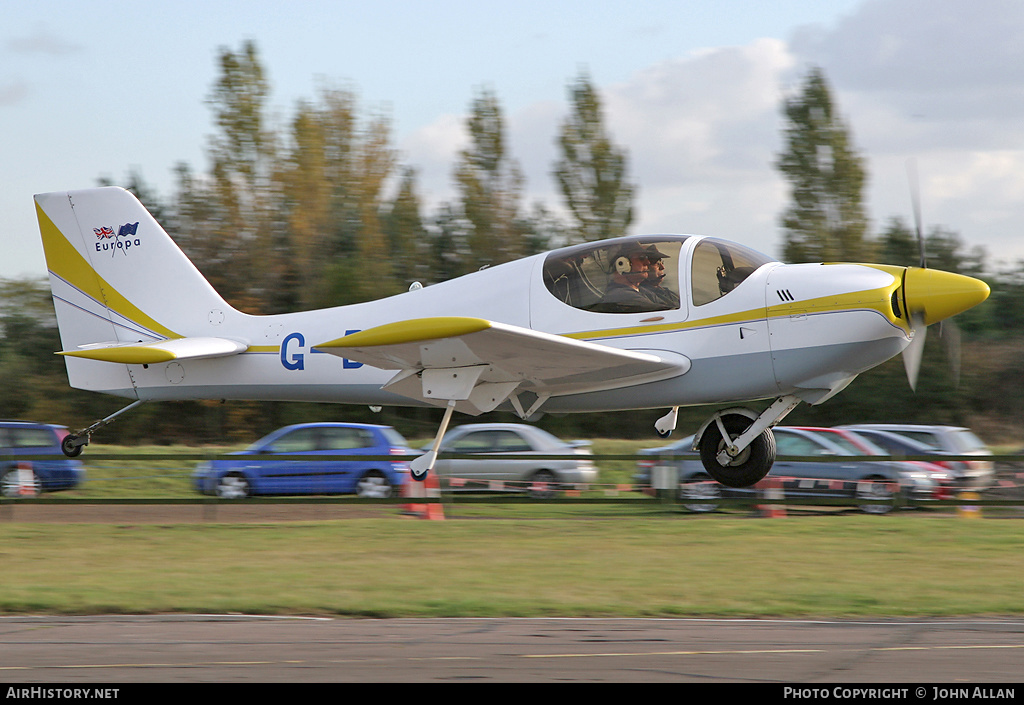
[(27, 478), (242, 476)]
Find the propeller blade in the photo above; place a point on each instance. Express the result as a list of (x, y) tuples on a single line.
[(915, 198), (912, 353)]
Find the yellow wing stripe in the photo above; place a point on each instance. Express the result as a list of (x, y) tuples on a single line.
[(412, 331), (67, 263), (132, 355)]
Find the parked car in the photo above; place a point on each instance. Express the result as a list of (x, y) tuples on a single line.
[(539, 475), (242, 476), (19, 478), (871, 481), (861, 445), (937, 441)]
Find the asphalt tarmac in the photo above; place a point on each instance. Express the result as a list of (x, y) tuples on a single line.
[(252, 649)]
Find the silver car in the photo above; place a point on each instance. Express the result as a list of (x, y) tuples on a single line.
[(534, 471), (938, 441)]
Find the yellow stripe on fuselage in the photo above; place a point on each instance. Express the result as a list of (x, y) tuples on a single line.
[(869, 299)]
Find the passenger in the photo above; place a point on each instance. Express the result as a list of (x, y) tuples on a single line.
[(652, 286), (623, 295)]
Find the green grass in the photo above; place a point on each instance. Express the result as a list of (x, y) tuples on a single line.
[(590, 564)]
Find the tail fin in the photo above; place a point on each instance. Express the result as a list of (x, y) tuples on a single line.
[(118, 278)]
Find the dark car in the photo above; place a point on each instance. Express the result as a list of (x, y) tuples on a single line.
[(284, 474), (871, 481), (21, 478), (937, 441)]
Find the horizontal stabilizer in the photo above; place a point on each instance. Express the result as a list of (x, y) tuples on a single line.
[(159, 350)]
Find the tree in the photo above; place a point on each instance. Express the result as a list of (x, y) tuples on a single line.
[(592, 171), (490, 186), (826, 220)]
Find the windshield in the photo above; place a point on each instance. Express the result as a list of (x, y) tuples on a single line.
[(625, 275), (720, 266)]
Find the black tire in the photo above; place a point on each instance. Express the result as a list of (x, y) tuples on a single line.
[(69, 448), (747, 468), (546, 478)]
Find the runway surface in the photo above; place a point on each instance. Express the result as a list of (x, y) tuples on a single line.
[(248, 649)]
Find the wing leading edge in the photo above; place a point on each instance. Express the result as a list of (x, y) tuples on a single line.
[(480, 363)]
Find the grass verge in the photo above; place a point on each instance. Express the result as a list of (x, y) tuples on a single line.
[(662, 565)]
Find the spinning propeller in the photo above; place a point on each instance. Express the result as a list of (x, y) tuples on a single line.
[(933, 296)]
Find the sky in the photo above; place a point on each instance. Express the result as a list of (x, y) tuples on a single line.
[(691, 89)]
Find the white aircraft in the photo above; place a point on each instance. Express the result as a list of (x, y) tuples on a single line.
[(583, 328)]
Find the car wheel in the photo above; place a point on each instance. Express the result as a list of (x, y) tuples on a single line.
[(876, 495), (234, 485), (374, 484), (11, 484), (547, 482), (700, 494)]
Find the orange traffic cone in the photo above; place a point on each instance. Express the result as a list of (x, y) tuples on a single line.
[(771, 489), (430, 488)]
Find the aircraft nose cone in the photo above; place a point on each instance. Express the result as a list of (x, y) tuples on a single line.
[(937, 295)]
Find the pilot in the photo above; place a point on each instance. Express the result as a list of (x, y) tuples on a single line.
[(652, 286), (623, 295)]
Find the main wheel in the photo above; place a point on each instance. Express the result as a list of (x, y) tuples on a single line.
[(747, 468)]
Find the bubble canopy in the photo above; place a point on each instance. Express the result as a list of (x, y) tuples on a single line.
[(646, 273)]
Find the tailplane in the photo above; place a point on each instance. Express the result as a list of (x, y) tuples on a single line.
[(123, 291)]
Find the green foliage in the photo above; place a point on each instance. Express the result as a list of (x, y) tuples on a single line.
[(826, 220), (592, 171)]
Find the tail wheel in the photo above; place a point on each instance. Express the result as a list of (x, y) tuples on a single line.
[(749, 466)]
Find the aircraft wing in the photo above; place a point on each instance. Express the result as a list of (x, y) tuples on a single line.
[(482, 363), (158, 351)]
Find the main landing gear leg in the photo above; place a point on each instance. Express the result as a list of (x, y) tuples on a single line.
[(425, 463), (74, 443)]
